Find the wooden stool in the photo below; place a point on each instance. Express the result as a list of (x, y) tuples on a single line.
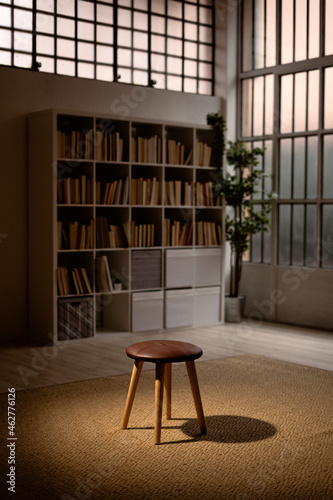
[(163, 353)]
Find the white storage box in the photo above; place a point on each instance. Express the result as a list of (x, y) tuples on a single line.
[(179, 268), (206, 309), (147, 311), (179, 308), (207, 266)]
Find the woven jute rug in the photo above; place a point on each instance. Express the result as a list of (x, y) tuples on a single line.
[(270, 435)]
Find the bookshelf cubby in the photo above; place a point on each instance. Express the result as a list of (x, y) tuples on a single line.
[(125, 233)]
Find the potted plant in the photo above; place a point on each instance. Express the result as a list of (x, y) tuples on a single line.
[(237, 186)]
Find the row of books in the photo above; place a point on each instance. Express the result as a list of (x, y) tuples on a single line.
[(112, 193), (190, 193), (109, 235), (208, 233), (204, 153), (76, 190), (146, 149), (73, 281), (103, 275), (75, 144), (175, 153), (145, 191), (143, 235), (75, 235), (108, 146), (177, 233)]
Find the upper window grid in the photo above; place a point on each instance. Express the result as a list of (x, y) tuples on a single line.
[(85, 55)]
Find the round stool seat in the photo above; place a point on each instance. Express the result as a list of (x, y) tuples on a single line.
[(163, 351)]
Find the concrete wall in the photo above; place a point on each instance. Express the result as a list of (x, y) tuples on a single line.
[(23, 92)]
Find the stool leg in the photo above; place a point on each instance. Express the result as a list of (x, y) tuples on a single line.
[(159, 379), (131, 392), (167, 390), (192, 375)]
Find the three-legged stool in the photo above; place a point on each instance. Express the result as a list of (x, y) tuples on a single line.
[(163, 353)]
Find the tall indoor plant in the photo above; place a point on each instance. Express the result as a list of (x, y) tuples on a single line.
[(237, 185)]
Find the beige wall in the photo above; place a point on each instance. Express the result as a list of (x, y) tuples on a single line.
[(23, 92)]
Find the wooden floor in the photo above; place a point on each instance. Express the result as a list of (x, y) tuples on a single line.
[(29, 366)]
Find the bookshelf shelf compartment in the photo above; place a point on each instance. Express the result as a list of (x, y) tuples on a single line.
[(129, 216)]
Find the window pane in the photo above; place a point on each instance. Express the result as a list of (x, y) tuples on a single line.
[(5, 16), (47, 64), (65, 48), (158, 6), (104, 73), (205, 70), (174, 65), (190, 68), (286, 103), (328, 106), (124, 18), (269, 102), (104, 14), (124, 57), (85, 70), (314, 10), (313, 100), (5, 58), (174, 8), (105, 34), (104, 54), (45, 45), (191, 31), (190, 85), (247, 108), (140, 59), (85, 31), (312, 167), (299, 168), (284, 234), (158, 24), (174, 83), (205, 53), (45, 24), (158, 43), (247, 35), (190, 50), (287, 31), (301, 30), (328, 167), (174, 47), (65, 27), (268, 158), (205, 34), (23, 41), (300, 102), (160, 80), (270, 33), (310, 235), (86, 51), (285, 168), (327, 238), (23, 60), (140, 77), (140, 21), (174, 28), (158, 62), (298, 235), (22, 19), (140, 40), (65, 67), (5, 39), (191, 13), (66, 8), (85, 10), (258, 105), (328, 27), (205, 87), (259, 34), (256, 242), (257, 195)]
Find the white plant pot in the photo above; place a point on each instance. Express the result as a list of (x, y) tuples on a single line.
[(234, 308)]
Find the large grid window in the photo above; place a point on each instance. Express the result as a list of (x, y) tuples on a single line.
[(168, 44), (286, 81)]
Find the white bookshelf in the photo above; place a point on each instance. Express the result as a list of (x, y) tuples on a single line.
[(154, 222)]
